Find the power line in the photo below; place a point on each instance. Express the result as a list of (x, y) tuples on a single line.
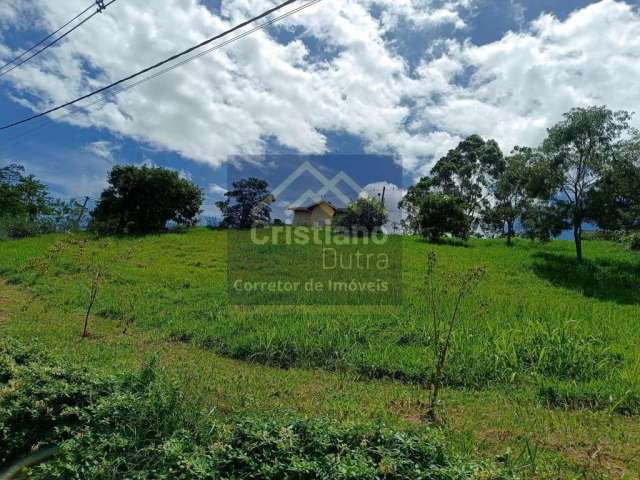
[(47, 37), (103, 100), (153, 67), (54, 41)]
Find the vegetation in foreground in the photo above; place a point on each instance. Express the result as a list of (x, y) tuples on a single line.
[(507, 424), (142, 426)]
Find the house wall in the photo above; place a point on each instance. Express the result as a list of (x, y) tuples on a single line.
[(322, 216), (302, 218)]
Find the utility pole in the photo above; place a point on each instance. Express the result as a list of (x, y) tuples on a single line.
[(81, 214)]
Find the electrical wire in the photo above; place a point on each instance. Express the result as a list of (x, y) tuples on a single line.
[(50, 44), (153, 67), (104, 98)]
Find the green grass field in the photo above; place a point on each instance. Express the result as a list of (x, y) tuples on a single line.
[(544, 369)]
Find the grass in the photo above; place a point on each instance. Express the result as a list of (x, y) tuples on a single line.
[(538, 343), (141, 425)]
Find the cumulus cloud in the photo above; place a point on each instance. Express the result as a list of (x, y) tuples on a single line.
[(233, 101), (331, 68), (520, 85)]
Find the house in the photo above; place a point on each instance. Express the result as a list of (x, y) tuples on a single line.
[(320, 214)]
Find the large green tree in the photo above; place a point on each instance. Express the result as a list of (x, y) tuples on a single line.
[(442, 214), (465, 173), (615, 202), (248, 204), (460, 180), (579, 152), (144, 199)]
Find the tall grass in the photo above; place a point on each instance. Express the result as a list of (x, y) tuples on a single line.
[(537, 324)]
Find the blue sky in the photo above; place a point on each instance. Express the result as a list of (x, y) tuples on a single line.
[(408, 78)]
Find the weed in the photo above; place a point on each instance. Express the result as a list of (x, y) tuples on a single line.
[(443, 323)]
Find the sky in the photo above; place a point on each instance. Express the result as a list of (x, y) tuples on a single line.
[(404, 78)]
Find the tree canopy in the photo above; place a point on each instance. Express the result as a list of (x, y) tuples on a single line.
[(365, 215), (247, 205), (458, 184), (22, 194), (144, 199), (579, 157)]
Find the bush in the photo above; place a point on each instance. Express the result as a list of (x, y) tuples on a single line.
[(596, 395), (602, 235), (365, 215), (21, 226), (440, 215), (139, 426), (633, 241)]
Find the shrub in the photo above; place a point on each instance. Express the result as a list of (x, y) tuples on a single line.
[(440, 215), (603, 235), (140, 426), (365, 215), (21, 226), (613, 396), (633, 241)]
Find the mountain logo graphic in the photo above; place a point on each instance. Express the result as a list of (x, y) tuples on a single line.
[(328, 186)]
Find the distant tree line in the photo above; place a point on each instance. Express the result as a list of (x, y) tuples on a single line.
[(27, 208), (138, 200), (587, 170)]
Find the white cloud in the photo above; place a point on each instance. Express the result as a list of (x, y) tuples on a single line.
[(523, 83), (229, 102), (216, 190), (102, 148), (232, 101), (519, 11)]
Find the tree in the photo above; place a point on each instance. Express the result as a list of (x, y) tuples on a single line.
[(615, 202), (247, 205), (365, 215), (22, 195), (578, 154), (441, 214), (509, 189), (444, 321), (144, 199), (543, 221), (410, 204), (462, 179), (465, 173)]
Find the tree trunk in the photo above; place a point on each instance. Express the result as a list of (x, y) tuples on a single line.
[(510, 233), (577, 236)]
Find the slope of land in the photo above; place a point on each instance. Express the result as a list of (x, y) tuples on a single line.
[(541, 333)]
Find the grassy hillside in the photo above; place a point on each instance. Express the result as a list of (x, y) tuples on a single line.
[(536, 311), (540, 332)]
